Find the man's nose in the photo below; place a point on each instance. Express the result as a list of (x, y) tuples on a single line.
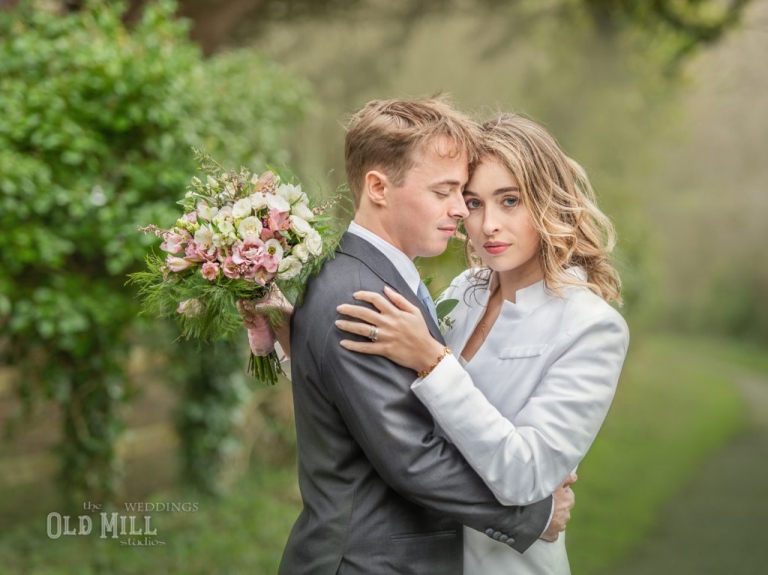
[(458, 209)]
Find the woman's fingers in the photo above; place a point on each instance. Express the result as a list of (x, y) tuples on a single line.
[(399, 300), (379, 301), (359, 312), (356, 327)]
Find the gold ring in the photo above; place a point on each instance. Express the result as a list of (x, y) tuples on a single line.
[(374, 335)]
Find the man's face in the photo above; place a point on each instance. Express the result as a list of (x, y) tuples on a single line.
[(423, 213)]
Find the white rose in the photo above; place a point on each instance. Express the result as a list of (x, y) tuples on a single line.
[(279, 203), (258, 200), (300, 226), (302, 210), (301, 252), (274, 247), (314, 243), (241, 209), (250, 226), (289, 268)]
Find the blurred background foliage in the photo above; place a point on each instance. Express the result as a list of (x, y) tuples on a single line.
[(661, 101), (95, 139)]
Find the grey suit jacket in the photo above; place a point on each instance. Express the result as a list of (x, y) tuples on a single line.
[(382, 493)]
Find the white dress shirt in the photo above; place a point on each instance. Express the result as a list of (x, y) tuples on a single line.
[(527, 406)]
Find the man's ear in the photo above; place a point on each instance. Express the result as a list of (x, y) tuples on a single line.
[(375, 187)]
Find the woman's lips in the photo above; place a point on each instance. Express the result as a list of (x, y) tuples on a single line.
[(495, 248)]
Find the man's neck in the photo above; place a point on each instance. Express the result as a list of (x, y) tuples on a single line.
[(375, 227)]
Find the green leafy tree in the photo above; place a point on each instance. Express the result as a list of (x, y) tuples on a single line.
[(95, 138)]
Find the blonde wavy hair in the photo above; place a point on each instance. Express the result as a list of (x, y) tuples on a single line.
[(557, 193)]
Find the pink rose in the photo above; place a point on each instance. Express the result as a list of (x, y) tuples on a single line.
[(207, 254), (178, 264), (230, 269), (174, 243), (210, 270), (250, 250), (191, 217), (190, 253)]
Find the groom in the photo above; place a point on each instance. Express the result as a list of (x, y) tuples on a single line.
[(382, 494)]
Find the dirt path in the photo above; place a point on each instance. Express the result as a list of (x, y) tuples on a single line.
[(719, 524)]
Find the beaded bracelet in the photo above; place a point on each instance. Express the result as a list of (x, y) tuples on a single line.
[(446, 351)]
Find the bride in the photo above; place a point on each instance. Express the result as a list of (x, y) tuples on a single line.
[(538, 349)]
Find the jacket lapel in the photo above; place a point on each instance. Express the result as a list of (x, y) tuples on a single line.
[(356, 247)]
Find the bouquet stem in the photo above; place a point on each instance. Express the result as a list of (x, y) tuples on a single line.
[(265, 368)]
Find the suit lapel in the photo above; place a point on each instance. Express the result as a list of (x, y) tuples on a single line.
[(356, 247)]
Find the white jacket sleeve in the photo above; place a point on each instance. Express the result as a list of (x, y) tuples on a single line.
[(525, 460)]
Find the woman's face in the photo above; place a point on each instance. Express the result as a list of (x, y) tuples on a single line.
[(499, 225)]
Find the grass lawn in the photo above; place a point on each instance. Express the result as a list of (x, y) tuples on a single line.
[(676, 404)]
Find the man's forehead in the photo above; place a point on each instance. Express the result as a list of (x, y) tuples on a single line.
[(440, 146)]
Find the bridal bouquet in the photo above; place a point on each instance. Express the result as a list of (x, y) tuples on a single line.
[(240, 235)]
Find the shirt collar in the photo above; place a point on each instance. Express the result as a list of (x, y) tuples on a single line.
[(402, 262), (534, 295)]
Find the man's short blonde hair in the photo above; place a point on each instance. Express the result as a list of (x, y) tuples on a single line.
[(389, 135)]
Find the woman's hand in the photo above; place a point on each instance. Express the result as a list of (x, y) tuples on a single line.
[(261, 335), (402, 335)]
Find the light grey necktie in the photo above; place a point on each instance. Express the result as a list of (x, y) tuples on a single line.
[(425, 298)]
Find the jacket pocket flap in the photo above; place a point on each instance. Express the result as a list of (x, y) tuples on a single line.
[(522, 351)]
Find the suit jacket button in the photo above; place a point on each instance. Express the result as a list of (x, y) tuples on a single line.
[(511, 541), (489, 532), (503, 538), (496, 535)]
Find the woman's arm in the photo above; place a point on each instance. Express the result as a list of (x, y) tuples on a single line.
[(525, 460)]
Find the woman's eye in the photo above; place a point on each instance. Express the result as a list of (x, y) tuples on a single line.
[(511, 201), (472, 204)]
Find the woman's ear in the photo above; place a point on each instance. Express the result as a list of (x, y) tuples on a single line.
[(375, 187)]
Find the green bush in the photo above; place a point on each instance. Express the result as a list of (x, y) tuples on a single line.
[(95, 138)]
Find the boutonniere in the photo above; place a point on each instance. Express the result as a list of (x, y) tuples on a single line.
[(444, 308)]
